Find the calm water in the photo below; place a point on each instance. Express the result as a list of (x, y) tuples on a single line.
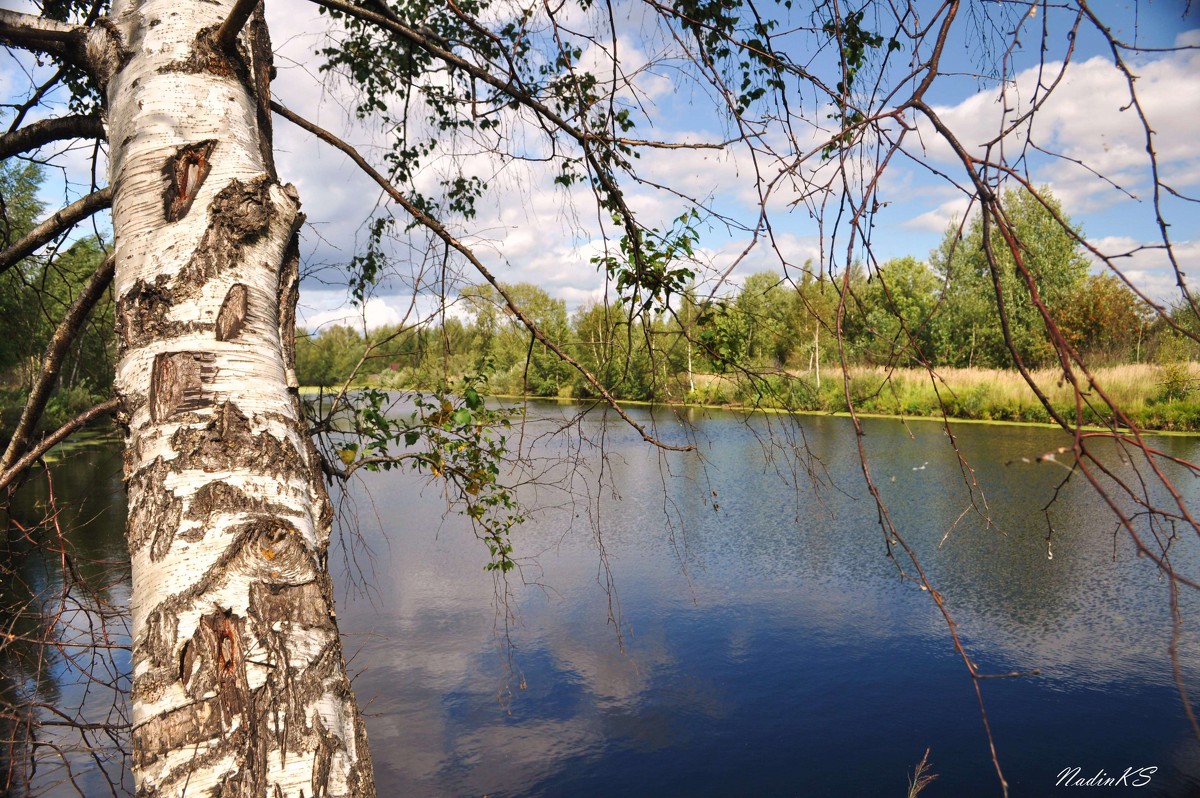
[(763, 643)]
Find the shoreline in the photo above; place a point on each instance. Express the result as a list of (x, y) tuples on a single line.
[(748, 409)]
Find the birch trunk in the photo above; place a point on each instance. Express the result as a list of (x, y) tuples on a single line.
[(239, 681)]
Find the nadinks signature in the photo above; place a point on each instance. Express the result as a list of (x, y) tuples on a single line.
[(1132, 777)]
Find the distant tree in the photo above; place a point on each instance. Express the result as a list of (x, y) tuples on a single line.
[(989, 312), (19, 209), (330, 357), (529, 365), (899, 304), (1106, 321)]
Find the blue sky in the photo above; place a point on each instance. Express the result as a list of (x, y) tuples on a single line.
[(534, 232), (529, 230)]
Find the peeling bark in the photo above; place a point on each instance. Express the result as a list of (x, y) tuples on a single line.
[(185, 174), (239, 681)]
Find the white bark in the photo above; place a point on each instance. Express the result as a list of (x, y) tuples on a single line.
[(239, 680)]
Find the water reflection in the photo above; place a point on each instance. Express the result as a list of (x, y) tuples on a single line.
[(64, 580), (766, 645), (770, 647)]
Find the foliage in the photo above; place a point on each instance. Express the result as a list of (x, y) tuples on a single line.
[(982, 277), (763, 344), (1104, 320), (648, 277), (34, 296), (451, 435)]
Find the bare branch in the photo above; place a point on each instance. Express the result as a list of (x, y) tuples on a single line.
[(58, 436), (60, 342), (96, 47), (45, 131), (41, 35), (55, 226), (436, 227)]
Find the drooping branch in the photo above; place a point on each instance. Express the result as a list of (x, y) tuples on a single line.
[(438, 229), (58, 436), (55, 226), (45, 131), (60, 343), (592, 145)]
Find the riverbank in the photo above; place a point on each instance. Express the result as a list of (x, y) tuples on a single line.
[(1153, 397), (1159, 398)]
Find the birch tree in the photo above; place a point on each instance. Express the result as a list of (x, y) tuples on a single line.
[(239, 682), (239, 685)]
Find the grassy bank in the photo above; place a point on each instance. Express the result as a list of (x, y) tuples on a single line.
[(1153, 397)]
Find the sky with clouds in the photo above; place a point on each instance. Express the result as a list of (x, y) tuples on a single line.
[(529, 230)]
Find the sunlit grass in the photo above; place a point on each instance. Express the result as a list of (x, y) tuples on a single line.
[(1162, 397)]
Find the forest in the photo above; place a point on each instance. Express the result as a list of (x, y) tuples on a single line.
[(908, 327)]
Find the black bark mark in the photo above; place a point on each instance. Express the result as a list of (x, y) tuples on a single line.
[(221, 497), (231, 319), (167, 524), (263, 70), (227, 442), (288, 296), (142, 312), (177, 383), (155, 505), (158, 640), (240, 214), (185, 173), (207, 55)]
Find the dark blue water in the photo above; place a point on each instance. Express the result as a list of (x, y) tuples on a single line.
[(744, 632), (759, 641)]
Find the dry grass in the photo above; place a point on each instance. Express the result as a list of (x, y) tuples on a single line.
[(1155, 397), (1130, 386)]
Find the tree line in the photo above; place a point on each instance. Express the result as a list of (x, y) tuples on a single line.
[(940, 312)]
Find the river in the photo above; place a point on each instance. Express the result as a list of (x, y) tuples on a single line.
[(744, 632)]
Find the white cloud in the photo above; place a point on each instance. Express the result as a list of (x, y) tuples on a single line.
[(530, 230), (1146, 265), (938, 219), (320, 308), (1088, 121)]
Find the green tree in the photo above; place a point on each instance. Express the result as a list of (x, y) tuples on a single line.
[(968, 329), (898, 305), (764, 304), (330, 357), (19, 208), (522, 363)]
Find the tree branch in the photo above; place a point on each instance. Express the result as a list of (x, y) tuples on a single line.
[(41, 35), (60, 342), (53, 439), (436, 227), (43, 132), (232, 26), (55, 226)]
